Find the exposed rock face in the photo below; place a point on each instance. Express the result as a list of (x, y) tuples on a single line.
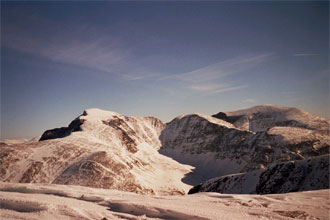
[(293, 176), (64, 131), (225, 117), (105, 171)]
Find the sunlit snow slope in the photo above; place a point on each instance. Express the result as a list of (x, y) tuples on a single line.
[(100, 149)]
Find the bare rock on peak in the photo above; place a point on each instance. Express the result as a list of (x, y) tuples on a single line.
[(63, 131)]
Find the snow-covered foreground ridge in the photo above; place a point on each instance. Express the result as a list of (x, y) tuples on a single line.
[(104, 149), (49, 201)]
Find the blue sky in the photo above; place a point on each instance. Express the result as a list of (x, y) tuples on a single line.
[(161, 59)]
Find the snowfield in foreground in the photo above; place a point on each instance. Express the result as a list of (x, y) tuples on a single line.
[(47, 201)]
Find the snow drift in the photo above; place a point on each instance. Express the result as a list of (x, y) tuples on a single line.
[(49, 201)]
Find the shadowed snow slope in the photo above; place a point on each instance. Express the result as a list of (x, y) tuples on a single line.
[(293, 176), (217, 147), (36, 201)]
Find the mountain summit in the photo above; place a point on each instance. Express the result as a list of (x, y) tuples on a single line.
[(100, 149), (264, 117), (105, 149)]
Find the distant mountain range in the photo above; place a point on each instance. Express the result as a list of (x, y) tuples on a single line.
[(104, 149)]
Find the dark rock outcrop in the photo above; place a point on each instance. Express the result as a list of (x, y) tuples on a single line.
[(225, 117), (63, 131)]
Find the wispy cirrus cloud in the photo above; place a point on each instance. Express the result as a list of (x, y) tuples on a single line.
[(212, 79), (305, 54), (215, 88), (101, 52), (207, 87), (249, 101), (223, 68), (76, 43), (139, 74), (97, 51)]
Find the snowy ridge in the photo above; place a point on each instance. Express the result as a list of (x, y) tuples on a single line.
[(13, 141), (293, 176), (263, 117), (206, 117), (18, 141), (266, 108)]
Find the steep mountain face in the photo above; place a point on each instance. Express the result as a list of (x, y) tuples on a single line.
[(214, 147), (217, 147), (293, 176), (99, 149)]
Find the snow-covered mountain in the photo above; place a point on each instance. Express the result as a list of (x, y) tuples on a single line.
[(18, 141), (264, 117), (292, 176), (242, 141), (104, 149), (99, 149)]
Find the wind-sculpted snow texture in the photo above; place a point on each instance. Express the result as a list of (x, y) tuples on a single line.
[(99, 149), (53, 202), (244, 140), (293, 176)]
